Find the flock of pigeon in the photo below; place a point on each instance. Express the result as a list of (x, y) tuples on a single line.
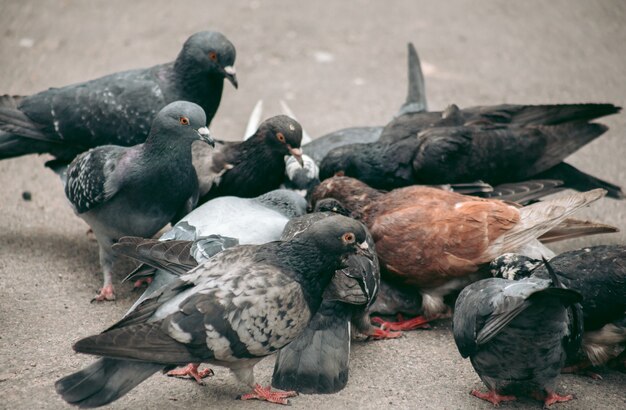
[(282, 247)]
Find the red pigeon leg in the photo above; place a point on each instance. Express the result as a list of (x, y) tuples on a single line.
[(266, 394), (493, 397), (191, 370)]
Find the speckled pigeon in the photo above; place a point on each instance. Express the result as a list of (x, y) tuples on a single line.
[(121, 191), (252, 167), (516, 335), (209, 229), (318, 361), (116, 109), (599, 274), (236, 308)]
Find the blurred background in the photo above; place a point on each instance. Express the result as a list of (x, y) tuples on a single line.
[(337, 64)]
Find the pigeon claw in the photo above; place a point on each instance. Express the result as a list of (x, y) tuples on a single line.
[(493, 397), (553, 398), (379, 334), (418, 322), (105, 294), (266, 394), (191, 371)]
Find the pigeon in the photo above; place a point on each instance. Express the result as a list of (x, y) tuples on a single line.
[(220, 224), (516, 335), (121, 191), (436, 241), (457, 149), (317, 362), (236, 308), (598, 273), (117, 109), (252, 167)]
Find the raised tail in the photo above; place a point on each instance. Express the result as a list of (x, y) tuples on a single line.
[(576, 179), (416, 93), (317, 362), (104, 381), (539, 218)]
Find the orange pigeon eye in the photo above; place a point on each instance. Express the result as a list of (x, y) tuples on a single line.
[(348, 237), (184, 120), (280, 137), (213, 56)]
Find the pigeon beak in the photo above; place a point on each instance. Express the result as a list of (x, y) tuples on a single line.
[(231, 75), (297, 154), (205, 136), (363, 249)]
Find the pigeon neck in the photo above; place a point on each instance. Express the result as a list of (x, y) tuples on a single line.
[(159, 146), (314, 269), (356, 199), (198, 86)]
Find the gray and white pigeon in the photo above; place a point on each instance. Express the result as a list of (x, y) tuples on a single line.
[(599, 274), (122, 191), (252, 167), (222, 223), (236, 308), (318, 361), (116, 109), (516, 335)]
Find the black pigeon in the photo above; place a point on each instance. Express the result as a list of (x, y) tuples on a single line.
[(456, 149), (238, 307), (121, 191), (252, 167), (116, 109), (318, 361), (516, 335), (599, 274)]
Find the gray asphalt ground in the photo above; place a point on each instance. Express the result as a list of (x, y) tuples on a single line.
[(337, 64)]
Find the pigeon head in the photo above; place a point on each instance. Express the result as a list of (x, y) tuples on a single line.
[(285, 202), (331, 205), (513, 266), (211, 53), (283, 134), (338, 235), (184, 119), (353, 194)]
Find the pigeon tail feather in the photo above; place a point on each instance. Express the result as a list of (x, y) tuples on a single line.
[(541, 217), (104, 381), (317, 362)]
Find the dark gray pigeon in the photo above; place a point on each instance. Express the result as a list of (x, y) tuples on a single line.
[(116, 109), (317, 362), (516, 335), (121, 191), (459, 148), (252, 167), (238, 307), (599, 274)]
